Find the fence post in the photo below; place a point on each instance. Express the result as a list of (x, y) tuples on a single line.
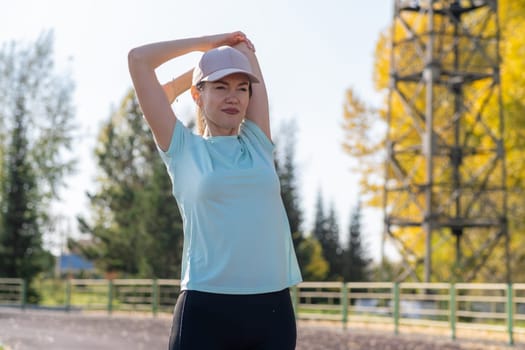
[(154, 295), (24, 294), (396, 308), (510, 313), (68, 295), (295, 297), (452, 306), (110, 296), (344, 304)]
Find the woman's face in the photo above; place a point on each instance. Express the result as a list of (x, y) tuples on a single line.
[(224, 103)]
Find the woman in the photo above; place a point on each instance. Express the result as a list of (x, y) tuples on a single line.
[(238, 258)]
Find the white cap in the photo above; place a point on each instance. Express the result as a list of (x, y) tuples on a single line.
[(220, 62)]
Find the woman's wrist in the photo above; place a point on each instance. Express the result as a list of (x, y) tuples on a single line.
[(206, 43)]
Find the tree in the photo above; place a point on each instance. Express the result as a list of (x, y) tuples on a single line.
[(512, 21), (286, 170), (136, 228), (36, 125), (365, 139), (310, 255), (326, 231), (308, 250), (356, 261), (22, 238)]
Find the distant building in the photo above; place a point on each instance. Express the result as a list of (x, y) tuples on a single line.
[(73, 265)]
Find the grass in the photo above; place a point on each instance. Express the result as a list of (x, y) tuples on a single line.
[(52, 292), (94, 297), (319, 311)]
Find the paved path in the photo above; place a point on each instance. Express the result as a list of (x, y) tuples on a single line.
[(27, 330)]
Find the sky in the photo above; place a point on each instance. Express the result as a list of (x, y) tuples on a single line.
[(310, 53)]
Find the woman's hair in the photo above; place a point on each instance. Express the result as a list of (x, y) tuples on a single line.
[(201, 121)]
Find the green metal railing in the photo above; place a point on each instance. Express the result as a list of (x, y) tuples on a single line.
[(13, 292), (464, 307), (136, 295), (452, 308)]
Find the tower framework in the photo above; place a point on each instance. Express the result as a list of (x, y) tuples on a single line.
[(445, 173)]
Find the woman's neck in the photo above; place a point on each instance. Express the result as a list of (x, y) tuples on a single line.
[(221, 132)]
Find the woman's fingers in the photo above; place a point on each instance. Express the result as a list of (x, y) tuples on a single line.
[(250, 45), (233, 39)]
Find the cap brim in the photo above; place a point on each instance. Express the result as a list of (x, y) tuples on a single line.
[(224, 72)]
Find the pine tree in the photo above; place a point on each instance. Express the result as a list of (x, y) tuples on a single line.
[(308, 250), (326, 232), (356, 261), (36, 124), (286, 170), (22, 238), (336, 268)]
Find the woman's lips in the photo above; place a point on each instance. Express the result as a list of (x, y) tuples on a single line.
[(230, 110)]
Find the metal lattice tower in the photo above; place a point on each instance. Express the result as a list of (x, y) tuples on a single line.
[(445, 165)]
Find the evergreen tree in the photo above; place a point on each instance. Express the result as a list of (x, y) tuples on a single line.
[(356, 261), (136, 228), (36, 124), (308, 250), (21, 239), (336, 268), (326, 232), (286, 170)]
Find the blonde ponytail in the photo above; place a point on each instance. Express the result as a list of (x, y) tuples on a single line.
[(201, 122)]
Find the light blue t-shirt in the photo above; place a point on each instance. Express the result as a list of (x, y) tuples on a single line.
[(236, 233)]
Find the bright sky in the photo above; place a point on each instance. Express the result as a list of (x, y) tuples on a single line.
[(310, 53)]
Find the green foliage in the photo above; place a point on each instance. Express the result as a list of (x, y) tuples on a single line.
[(36, 124), (310, 255), (326, 231), (287, 172), (356, 261), (136, 228), (309, 252), (21, 233)]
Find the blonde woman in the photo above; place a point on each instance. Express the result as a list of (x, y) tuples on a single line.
[(238, 259)]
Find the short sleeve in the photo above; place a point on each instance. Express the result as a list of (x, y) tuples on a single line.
[(255, 134), (180, 137)]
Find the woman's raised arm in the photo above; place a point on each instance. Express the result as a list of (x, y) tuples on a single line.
[(152, 96), (258, 109)]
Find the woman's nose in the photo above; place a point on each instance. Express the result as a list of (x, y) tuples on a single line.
[(232, 97)]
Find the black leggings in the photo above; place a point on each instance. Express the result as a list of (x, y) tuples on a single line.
[(210, 321)]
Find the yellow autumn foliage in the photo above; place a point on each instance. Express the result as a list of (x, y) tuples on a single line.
[(403, 113)]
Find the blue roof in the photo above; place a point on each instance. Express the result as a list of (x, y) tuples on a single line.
[(74, 262)]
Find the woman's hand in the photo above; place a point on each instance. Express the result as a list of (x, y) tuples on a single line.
[(231, 39), (246, 47)]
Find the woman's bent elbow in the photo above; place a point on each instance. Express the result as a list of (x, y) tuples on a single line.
[(133, 57)]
